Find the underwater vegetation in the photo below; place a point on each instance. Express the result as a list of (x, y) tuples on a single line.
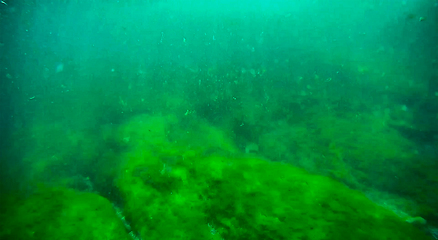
[(191, 182), (60, 213)]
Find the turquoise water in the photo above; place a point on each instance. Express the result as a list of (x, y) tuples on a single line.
[(118, 104)]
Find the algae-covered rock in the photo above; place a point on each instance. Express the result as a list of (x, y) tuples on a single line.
[(60, 214), (218, 197), (181, 190)]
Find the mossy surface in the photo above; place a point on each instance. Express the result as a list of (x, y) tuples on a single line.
[(173, 192), (60, 214), (249, 198), (181, 178)]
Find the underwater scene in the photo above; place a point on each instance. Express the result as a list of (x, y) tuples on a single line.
[(218, 119)]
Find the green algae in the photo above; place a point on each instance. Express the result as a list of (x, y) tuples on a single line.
[(184, 179), (60, 214), (250, 198), (176, 192)]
